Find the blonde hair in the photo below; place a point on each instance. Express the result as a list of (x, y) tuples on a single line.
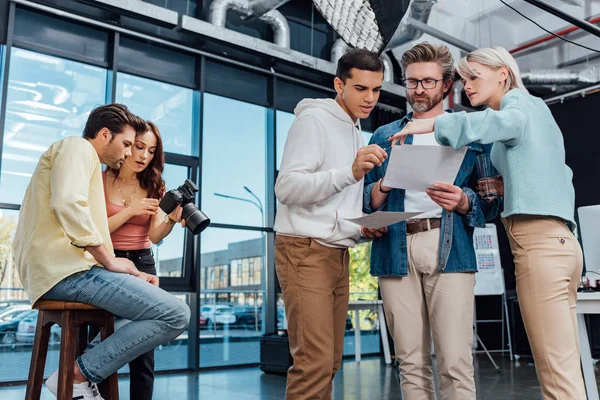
[(495, 58)]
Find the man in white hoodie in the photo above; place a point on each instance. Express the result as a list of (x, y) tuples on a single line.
[(320, 183)]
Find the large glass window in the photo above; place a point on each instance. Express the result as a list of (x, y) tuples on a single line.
[(231, 300), (10, 284), (48, 99), (170, 107), (233, 161)]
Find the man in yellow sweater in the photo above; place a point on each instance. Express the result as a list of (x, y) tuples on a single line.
[(63, 251)]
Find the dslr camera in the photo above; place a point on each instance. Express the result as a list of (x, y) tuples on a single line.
[(195, 220)]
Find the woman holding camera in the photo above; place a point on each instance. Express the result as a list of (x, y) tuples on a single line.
[(132, 194)]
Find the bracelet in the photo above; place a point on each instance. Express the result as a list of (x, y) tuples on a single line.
[(380, 189), (167, 220)]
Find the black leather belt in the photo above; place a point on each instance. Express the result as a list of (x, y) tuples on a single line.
[(133, 253), (422, 225)]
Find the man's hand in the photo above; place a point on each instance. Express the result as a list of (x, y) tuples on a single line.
[(122, 265), (366, 159), (153, 279), (370, 233), (449, 197)]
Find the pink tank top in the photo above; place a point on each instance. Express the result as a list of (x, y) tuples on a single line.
[(133, 234)]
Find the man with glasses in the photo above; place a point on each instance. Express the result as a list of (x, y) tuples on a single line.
[(426, 266)]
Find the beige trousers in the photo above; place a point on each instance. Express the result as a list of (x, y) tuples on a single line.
[(315, 285), (428, 304), (548, 266)]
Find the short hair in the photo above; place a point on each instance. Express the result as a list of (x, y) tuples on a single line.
[(362, 59), (495, 58), (427, 52), (114, 117)]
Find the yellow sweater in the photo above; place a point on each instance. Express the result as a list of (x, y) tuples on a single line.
[(63, 212)]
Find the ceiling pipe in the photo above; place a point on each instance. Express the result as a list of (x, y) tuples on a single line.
[(547, 38), (217, 15), (585, 25), (561, 77), (419, 11), (260, 7)]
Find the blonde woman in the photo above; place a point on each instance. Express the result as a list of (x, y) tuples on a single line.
[(529, 152)]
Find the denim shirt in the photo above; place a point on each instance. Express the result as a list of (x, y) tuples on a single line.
[(457, 254)]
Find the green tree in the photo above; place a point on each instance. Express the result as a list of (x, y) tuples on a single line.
[(363, 286), (7, 231), (361, 280)]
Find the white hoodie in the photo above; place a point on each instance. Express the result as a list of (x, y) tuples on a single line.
[(315, 186)]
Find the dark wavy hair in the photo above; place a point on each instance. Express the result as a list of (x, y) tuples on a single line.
[(151, 177), (115, 117)]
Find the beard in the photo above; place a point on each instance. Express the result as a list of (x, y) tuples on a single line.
[(110, 159), (424, 102)]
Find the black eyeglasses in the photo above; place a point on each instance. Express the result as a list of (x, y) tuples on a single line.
[(427, 83)]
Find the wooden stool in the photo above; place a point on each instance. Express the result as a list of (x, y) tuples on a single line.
[(74, 319)]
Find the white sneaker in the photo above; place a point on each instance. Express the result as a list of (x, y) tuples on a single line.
[(81, 391)]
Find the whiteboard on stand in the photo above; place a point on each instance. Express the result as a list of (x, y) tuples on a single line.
[(489, 279)]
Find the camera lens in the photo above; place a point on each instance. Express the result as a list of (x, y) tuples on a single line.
[(195, 220)]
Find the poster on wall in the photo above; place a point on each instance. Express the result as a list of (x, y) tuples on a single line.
[(489, 280)]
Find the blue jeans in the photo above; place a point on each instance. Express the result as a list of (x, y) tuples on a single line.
[(157, 317)]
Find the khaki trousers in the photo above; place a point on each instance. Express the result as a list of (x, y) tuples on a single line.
[(314, 281), (548, 266), (424, 304)]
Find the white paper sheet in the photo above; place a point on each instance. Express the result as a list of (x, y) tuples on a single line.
[(380, 219), (419, 167)]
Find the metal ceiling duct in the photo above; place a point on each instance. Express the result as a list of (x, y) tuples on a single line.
[(419, 11), (561, 77), (260, 7), (338, 49), (578, 3), (217, 15), (366, 24)]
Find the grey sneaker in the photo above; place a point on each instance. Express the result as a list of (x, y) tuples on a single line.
[(81, 391)]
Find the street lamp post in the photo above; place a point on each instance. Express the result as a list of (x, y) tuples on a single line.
[(257, 203)]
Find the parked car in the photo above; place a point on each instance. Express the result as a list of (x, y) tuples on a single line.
[(26, 329), (217, 315), (9, 322), (5, 304), (247, 317)]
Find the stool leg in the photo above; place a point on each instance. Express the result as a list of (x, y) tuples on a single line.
[(82, 339), (109, 388), (38, 358), (68, 343)]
